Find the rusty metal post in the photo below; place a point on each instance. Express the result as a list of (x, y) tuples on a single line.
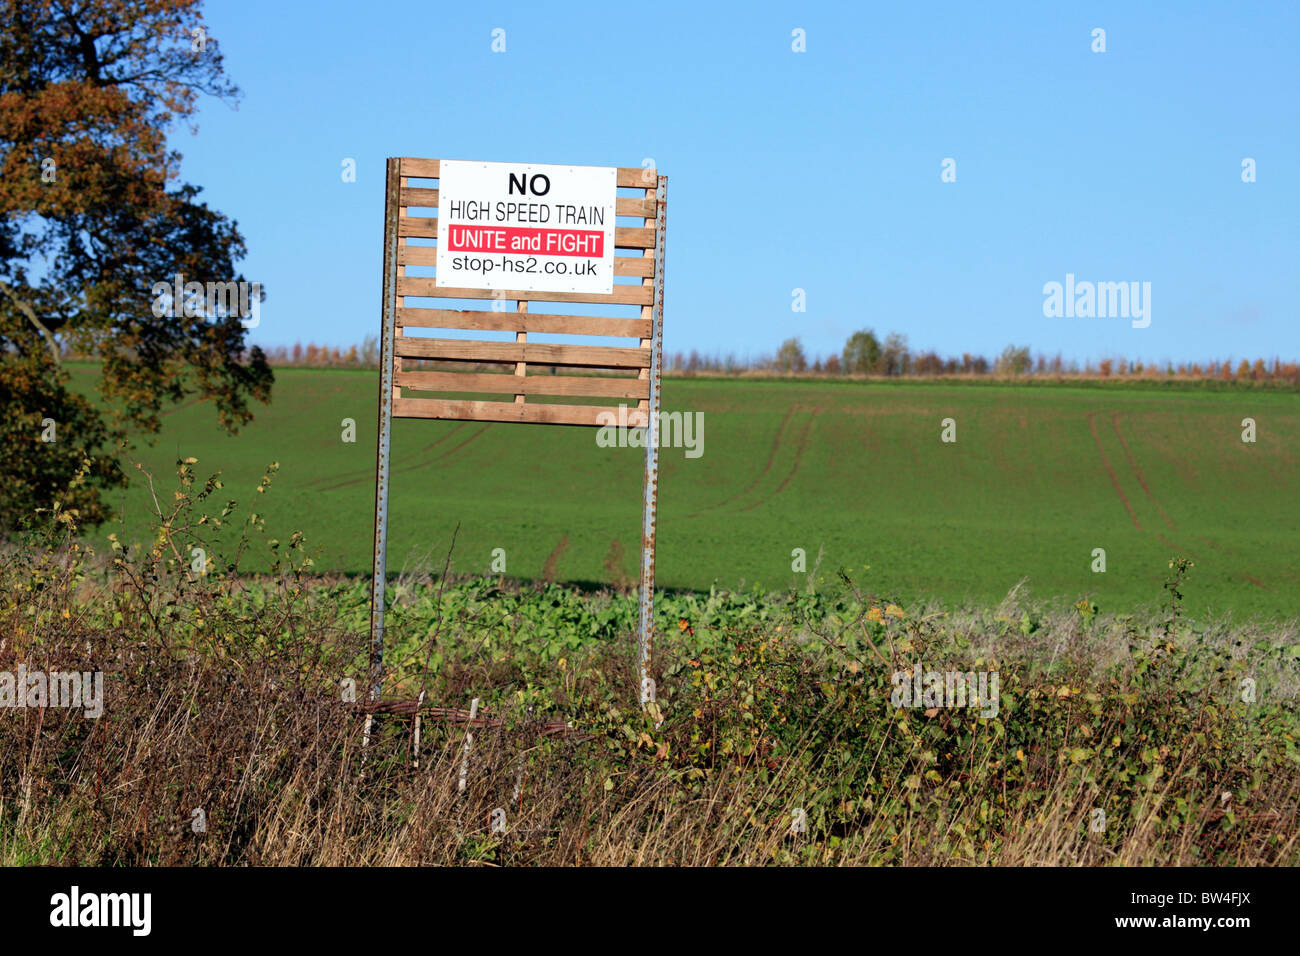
[(379, 566), (650, 487)]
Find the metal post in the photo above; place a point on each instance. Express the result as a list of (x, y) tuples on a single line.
[(650, 487), (379, 567)]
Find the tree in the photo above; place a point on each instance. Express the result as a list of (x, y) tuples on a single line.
[(93, 221), (928, 363), (790, 357), (1013, 361), (370, 352), (894, 356), (861, 353), (49, 436)]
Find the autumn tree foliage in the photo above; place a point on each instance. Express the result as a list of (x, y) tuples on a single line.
[(862, 353), (790, 357), (92, 215)]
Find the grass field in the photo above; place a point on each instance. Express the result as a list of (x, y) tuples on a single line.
[(1037, 479)]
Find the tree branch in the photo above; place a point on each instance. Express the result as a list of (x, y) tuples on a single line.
[(28, 311)]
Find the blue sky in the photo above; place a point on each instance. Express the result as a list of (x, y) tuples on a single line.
[(818, 170)]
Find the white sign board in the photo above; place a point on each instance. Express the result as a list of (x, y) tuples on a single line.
[(525, 226)]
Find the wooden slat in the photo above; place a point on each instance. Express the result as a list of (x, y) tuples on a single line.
[(402, 183), (521, 368), (535, 353), (414, 196), (418, 255), (623, 265), (640, 208), (634, 176), (629, 176), (647, 311), (634, 238), (418, 227), (622, 294), (644, 266), (541, 322), (426, 227), (533, 412), (569, 385), (421, 168)]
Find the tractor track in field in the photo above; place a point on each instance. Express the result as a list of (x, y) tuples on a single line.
[(1146, 489), (1132, 463), (349, 475), (771, 459), (798, 460), (1190, 475), (409, 468), (1114, 479)]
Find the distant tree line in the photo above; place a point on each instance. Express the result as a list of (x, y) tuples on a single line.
[(312, 355), (864, 354)]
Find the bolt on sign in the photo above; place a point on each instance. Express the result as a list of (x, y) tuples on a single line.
[(523, 236)]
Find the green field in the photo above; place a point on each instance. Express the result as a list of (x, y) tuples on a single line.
[(1038, 478)]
